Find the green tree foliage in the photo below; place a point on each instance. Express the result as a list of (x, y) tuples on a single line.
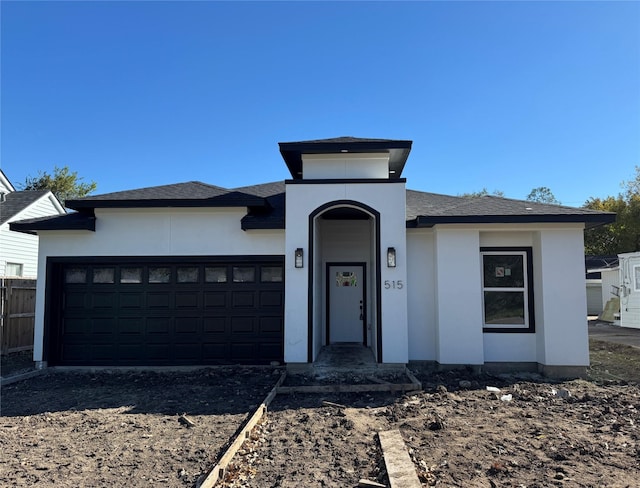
[(482, 193), (542, 194), (624, 234), (63, 183)]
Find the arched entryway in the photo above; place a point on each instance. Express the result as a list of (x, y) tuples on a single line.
[(344, 277)]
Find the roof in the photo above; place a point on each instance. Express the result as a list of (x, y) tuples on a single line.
[(398, 151), (72, 221), (189, 194), (16, 201), (429, 209), (266, 207)]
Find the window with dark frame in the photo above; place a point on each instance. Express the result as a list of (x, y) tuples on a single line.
[(507, 290)]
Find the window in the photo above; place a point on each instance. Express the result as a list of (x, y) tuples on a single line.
[(75, 275), (131, 275), (103, 275), (636, 277), (159, 274), (188, 275), (215, 274), (271, 274), (13, 269), (244, 274), (507, 286)]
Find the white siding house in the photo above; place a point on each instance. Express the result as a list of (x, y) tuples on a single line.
[(629, 275), (341, 253), (19, 251)]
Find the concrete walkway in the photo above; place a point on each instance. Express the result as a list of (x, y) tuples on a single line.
[(604, 331)]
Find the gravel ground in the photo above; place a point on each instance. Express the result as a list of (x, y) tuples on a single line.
[(123, 429)]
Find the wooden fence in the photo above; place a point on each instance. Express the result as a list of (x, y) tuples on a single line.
[(17, 314)]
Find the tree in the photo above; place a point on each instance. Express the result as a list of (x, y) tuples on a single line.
[(64, 184), (542, 194), (624, 234), (482, 193)]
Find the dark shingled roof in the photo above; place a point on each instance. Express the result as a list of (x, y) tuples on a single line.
[(17, 201), (266, 207), (190, 194), (428, 209)]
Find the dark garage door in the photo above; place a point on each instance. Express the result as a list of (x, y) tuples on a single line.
[(167, 312)]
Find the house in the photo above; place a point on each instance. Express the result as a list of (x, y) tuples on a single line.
[(19, 251), (629, 289), (602, 281), (342, 252)]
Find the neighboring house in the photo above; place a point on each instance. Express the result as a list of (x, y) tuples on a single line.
[(192, 273), (629, 275), (19, 251), (602, 281)]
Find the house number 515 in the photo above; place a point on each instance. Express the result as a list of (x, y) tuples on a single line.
[(393, 284)]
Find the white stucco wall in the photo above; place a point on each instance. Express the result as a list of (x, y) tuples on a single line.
[(154, 232), (389, 200), (560, 296), (459, 334), (421, 295), (348, 166)]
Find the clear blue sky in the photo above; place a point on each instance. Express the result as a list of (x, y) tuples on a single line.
[(502, 95)]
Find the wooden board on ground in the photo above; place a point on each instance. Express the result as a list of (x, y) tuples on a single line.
[(400, 468)]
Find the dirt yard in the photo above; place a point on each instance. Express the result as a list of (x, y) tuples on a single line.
[(71, 429)]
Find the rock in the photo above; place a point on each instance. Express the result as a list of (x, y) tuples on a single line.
[(561, 393), (466, 384)]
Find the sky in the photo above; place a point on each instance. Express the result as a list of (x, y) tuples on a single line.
[(505, 96)]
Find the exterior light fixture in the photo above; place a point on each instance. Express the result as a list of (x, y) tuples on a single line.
[(298, 258), (391, 257)]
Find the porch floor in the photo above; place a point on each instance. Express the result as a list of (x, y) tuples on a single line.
[(346, 356)]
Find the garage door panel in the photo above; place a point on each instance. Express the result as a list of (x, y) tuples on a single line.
[(243, 299), (187, 325), (215, 299), (187, 299), (131, 352), (242, 325), (103, 300), (271, 298), (271, 325), (76, 326), (213, 313), (212, 325), (271, 350), (104, 351), (242, 351), (159, 300), (74, 300), (131, 325), (158, 325), (103, 326), (131, 300)]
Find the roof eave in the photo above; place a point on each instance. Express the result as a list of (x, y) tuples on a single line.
[(590, 221), (162, 203)]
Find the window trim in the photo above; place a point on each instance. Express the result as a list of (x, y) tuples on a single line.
[(529, 325)]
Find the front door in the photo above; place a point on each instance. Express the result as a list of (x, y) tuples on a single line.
[(346, 307)]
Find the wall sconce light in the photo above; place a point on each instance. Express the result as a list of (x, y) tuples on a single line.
[(391, 257), (298, 258)]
